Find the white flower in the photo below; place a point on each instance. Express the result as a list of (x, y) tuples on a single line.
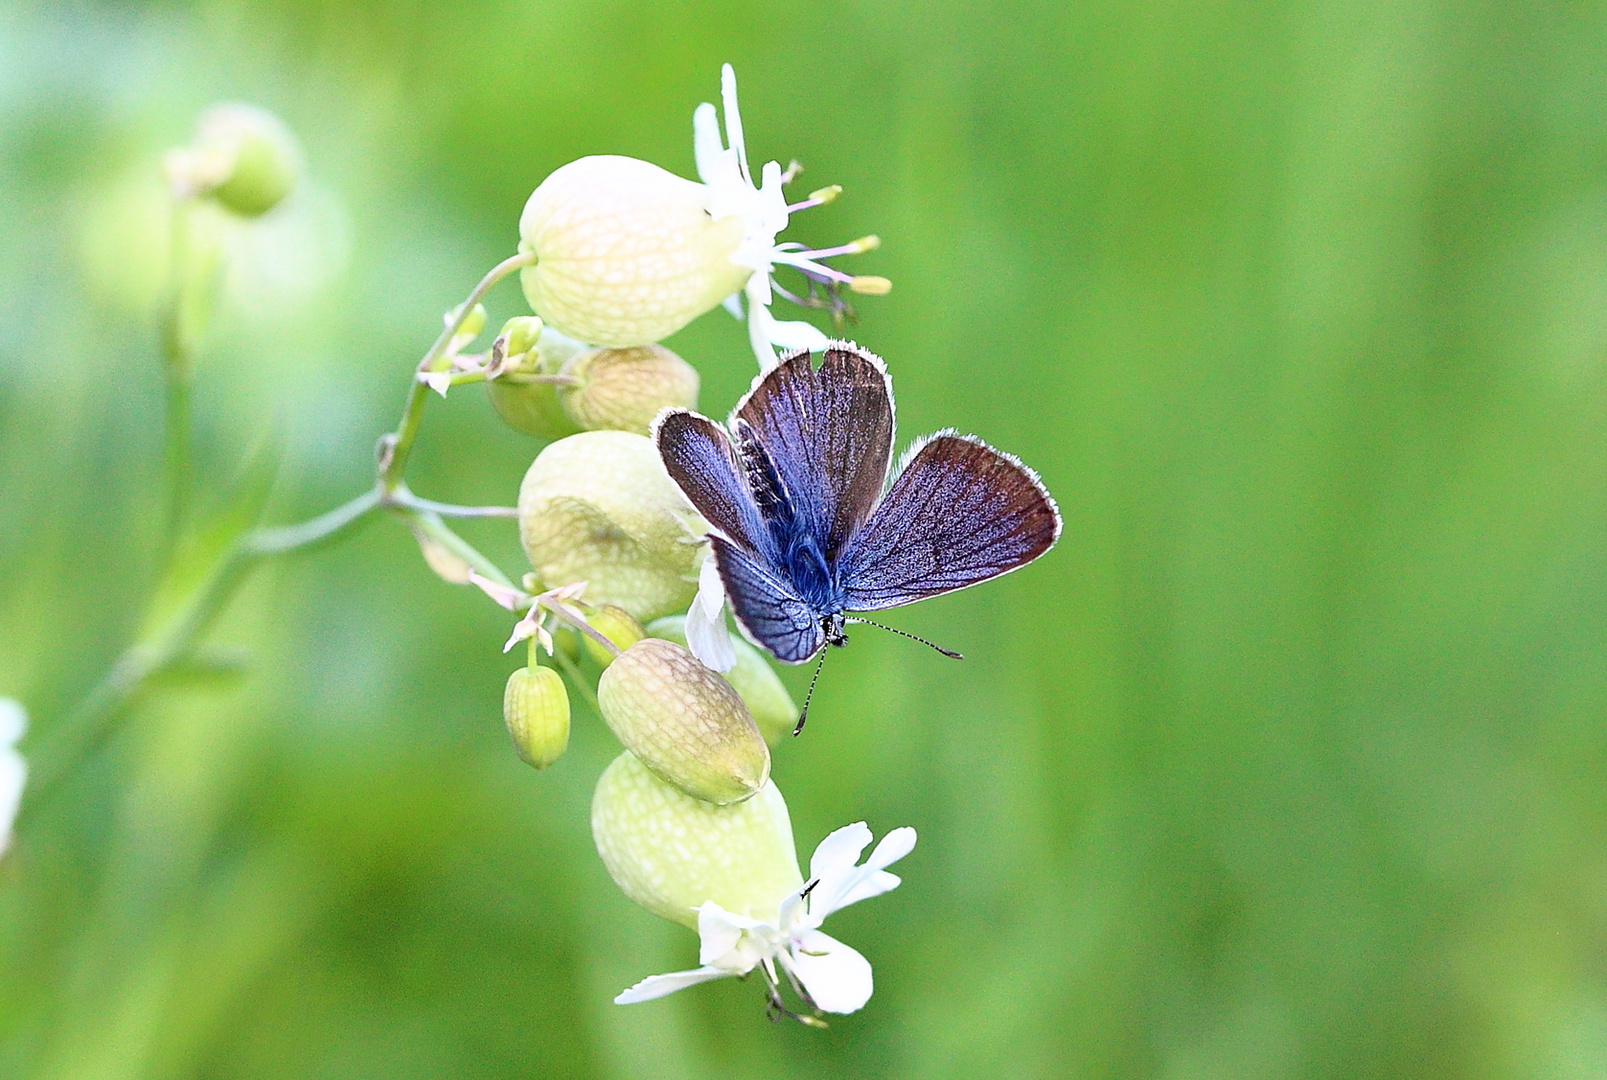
[(13, 769), (706, 633), (722, 165), (828, 975), (627, 253)]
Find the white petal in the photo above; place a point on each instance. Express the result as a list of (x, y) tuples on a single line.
[(656, 986), (706, 634), (733, 119), (13, 721), (798, 335), (836, 976), (864, 887), (502, 594), (837, 854), (733, 304), (439, 381), (773, 199), (894, 846), (849, 884), (759, 324), (706, 144), (719, 933)]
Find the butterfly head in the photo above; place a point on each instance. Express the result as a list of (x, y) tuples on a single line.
[(833, 627)]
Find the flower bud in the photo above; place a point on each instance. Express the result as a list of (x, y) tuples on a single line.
[(469, 328), (522, 333), (617, 625), (670, 852), (626, 252), (684, 722), (752, 677), (598, 507), (535, 707), (533, 408), (242, 156), (624, 389)]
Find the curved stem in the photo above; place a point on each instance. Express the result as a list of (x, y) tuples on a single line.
[(280, 539), (78, 733), (430, 524), (401, 444), (405, 499)]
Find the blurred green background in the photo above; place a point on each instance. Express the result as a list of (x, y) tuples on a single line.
[(1289, 761)]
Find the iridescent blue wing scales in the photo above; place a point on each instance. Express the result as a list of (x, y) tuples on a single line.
[(829, 432), (700, 459), (959, 513), (767, 608)]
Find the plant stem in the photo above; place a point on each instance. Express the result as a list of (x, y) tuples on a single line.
[(280, 539), (177, 359), (405, 499), (431, 524), (78, 733), (401, 444), (577, 679)]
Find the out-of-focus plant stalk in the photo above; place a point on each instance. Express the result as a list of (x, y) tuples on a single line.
[(168, 643), (177, 354)]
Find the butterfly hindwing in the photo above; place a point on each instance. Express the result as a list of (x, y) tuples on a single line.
[(960, 512), (766, 606), (829, 432)]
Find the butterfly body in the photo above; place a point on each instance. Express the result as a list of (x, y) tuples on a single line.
[(806, 527)]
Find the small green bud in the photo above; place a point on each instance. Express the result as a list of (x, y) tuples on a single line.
[(242, 157), (598, 507), (533, 408), (521, 334), (670, 852), (684, 722), (624, 389), (617, 625), (627, 253), (535, 707), (754, 680), (470, 327)]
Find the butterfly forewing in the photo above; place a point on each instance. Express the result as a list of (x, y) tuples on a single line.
[(830, 434), (766, 606), (959, 513), (699, 458)]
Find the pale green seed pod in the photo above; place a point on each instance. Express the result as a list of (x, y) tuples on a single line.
[(684, 722), (535, 706), (626, 252), (754, 680), (598, 507), (624, 389), (534, 408), (617, 625), (671, 853), (250, 155)]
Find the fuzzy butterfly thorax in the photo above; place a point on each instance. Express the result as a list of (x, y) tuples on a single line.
[(809, 527)]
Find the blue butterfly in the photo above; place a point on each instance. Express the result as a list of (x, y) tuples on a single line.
[(807, 526)]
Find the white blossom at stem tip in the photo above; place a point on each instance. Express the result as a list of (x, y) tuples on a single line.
[(830, 976), (722, 165)]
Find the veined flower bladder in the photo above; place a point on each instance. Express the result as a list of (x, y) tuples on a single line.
[(628, 253), (647, 830)]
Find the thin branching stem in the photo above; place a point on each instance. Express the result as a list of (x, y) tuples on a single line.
[(89, 723)]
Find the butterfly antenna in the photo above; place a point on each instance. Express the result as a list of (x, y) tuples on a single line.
[(813, 679), (905, 633)]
